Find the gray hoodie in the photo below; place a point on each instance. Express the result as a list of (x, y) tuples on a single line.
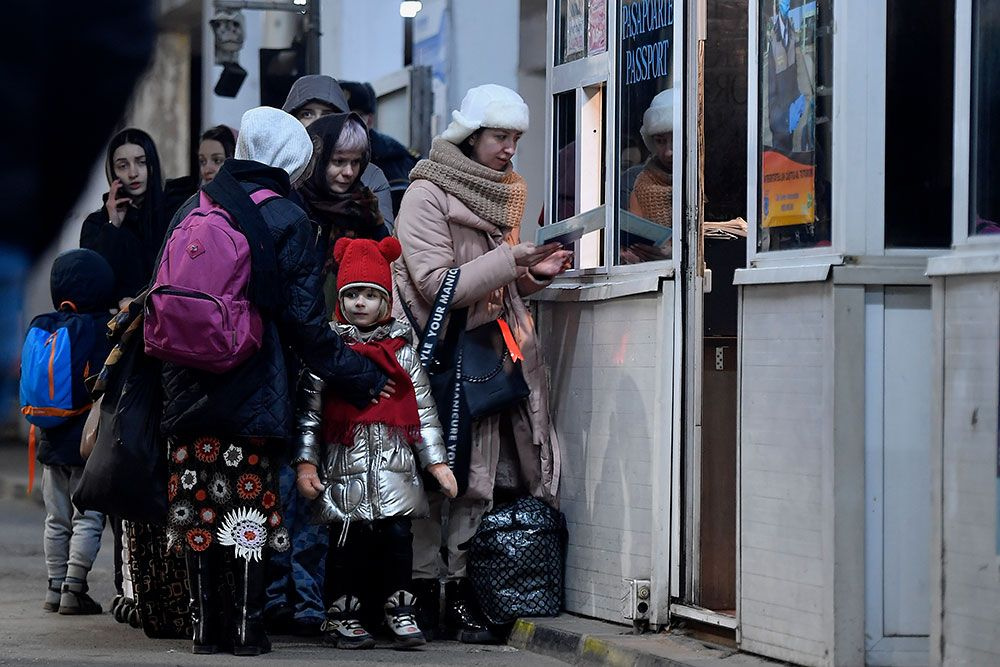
[(325, 89)]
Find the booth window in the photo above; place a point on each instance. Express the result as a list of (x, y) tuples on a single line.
[(564, 131), (984, 181), (919, 64), (646, 158), (796, 67), (583, 29)]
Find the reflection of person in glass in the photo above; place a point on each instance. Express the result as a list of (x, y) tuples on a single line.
[(652, 194), (786, 104)]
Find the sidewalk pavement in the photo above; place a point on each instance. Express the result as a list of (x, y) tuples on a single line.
[(583, 641), (567, 638)]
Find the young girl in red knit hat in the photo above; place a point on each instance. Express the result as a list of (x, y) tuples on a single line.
[(362, 464)]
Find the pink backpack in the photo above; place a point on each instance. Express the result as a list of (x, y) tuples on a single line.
[(197, 312)]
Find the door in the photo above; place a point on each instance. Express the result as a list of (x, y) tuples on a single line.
[(898, 474), (715, 206)]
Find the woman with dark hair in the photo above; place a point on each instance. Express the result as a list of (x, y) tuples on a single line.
[(129, 229), (217, 145)]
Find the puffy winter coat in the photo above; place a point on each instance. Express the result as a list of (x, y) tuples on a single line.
[(255, 399), (439, 232), (376, 477)]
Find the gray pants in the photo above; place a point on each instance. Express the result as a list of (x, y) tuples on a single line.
[(429, 534), (72, 537)]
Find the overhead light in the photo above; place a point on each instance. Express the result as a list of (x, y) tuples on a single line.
[(299, 2), (410, 8)]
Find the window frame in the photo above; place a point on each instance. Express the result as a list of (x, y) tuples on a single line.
[(601, 69), (857, 146), (962, 163)]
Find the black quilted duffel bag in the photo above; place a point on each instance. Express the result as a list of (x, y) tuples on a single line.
[(516, 561)]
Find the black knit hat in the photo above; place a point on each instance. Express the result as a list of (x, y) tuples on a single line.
[(360, 96)]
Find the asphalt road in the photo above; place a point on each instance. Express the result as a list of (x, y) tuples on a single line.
[(29, 635)]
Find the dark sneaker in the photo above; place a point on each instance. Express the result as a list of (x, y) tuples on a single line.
[(74, 600), (52, 596), (342, 627), (401, 618)]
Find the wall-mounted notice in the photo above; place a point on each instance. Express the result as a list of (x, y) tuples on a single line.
[(597, 27), (576, 25)]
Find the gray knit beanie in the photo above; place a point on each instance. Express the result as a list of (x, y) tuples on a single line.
[(274, 138)]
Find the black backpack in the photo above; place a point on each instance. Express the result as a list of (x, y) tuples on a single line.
[(516, 561)]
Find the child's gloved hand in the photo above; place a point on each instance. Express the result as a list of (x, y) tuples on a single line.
[(445, 477), (307, 480)]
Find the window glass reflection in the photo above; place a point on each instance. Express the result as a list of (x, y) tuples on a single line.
[(795, 108), (646, 132), (984, 195)]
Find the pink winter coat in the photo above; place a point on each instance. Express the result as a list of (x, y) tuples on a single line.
[(438, 232)]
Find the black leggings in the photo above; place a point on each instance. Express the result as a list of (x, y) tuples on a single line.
[(375, 562)]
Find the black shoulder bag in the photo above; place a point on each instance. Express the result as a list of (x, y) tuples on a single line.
[(472, 374)]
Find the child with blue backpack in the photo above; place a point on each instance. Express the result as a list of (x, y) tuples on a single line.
[(60, 350)]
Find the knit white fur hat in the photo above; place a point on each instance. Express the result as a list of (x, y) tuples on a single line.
[(488, 105), (274, 138), (659, 117)]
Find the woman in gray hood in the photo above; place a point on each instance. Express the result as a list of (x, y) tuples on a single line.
[(316, 95)]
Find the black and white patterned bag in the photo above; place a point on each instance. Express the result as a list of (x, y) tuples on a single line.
[(516, 561)]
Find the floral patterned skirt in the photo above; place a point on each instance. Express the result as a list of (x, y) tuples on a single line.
[(223, 492)]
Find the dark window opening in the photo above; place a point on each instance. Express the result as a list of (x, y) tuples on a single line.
[(919, 101)]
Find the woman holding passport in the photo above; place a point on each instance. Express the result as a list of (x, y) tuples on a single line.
[(463, 210)]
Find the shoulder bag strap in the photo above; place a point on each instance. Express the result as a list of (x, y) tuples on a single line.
[(431, 334)]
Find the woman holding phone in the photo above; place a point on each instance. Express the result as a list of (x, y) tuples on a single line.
[(129, 229)]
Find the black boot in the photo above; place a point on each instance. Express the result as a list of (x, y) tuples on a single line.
[(249, 637), (204, 611), (428, 594), (462, 618)]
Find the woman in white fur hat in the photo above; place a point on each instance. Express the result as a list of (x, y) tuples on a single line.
[(463, 209), (652, 193)]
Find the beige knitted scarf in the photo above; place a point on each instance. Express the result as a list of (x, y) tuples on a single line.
[(653, 189), (498, 197)]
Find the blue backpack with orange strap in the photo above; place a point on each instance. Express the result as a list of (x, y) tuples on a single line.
[(55, 361)]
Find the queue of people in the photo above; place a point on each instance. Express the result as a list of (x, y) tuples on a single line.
[(322, 477)]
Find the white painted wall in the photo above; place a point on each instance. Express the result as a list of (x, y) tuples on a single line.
[(485, 45), (802, 473), (784, 428), (607, 391), (967, 577), (362, 41)]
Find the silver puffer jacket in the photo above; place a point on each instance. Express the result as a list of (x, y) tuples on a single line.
[(377, 476)]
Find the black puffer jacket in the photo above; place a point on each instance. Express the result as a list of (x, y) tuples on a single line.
[(255, 399), (129, 249), (395, 161)]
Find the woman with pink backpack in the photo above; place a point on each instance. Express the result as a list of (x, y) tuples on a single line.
[(227, 417)]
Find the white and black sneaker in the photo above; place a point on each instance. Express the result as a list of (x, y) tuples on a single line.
[(342, 627), (401, 617)]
